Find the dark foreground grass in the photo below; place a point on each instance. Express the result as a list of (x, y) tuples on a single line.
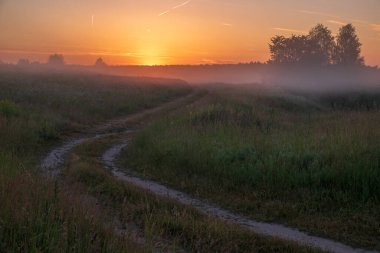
[(307, 160), (36, 111), (37, 216), (182, 227)]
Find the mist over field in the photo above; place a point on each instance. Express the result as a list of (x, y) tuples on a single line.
[(311, 78), (190, 126), (317, 62)]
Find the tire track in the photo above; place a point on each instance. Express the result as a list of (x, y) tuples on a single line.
[(56, 159), (263, 228)]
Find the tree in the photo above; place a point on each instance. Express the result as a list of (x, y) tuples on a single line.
[(56, 60), (100, 63), (321, 44), (348, 47), (289, 50), (278, 49), (315, 48), (298, 49), (23, 62)]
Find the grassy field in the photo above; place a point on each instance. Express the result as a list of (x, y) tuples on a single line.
[(180, 227), (307, 160), (37, 110), (311, 161)]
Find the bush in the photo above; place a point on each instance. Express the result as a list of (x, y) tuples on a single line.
[(8, 109)]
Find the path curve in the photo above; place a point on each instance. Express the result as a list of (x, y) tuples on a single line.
[(56, 158), (51, 163), (263, 228)]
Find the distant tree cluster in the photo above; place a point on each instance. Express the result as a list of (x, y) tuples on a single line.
[(100, 63), (318, 47), (56, 60), (23, 62)]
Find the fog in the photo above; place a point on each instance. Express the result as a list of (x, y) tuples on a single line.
[(294, 76)]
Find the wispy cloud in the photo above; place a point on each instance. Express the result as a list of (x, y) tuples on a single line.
[(344, 20), (227, 24), (336, 22), (78, 51), (335, 19), (289, 30), (208, 61), (212, 61), (376, 27), (174, 7), (359, 21), (318, 13)]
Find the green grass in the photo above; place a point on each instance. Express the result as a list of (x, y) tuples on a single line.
[(37, 110), (298, 159), (160, 218)]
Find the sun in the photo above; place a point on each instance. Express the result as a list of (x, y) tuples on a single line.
[(151, 61), (152, 56)]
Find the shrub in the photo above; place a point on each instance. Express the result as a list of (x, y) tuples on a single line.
[(8, 109)]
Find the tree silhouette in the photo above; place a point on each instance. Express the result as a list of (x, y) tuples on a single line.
[(100, 63), (318, 47), (348, 47), (278, 49), (321, 45), (288, 50), (56, 60), (298, 48), (23, 62)]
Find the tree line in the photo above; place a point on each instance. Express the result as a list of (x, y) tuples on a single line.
[(318, 47)]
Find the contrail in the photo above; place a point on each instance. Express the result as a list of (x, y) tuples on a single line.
[(163, 13), (92, 20), (173, 8), (180, 5)]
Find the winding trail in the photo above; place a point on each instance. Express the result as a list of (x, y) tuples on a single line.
[(263, 228), (56, 158)]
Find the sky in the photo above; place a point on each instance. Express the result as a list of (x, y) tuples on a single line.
[(164, 32)]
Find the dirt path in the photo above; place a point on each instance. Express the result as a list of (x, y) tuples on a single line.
[(275, 230), (56, 158)]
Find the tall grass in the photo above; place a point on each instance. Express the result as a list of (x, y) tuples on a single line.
[(274, 156), (161, 219), (36, 111)]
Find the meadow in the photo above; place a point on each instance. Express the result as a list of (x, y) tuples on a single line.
[(39, 110), (166, 225), (310, 160), (307, 160)]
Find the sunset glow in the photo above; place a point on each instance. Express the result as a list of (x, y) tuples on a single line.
[(163, 32)]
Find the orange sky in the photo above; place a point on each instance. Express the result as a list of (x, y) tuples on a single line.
[(172, 31)]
